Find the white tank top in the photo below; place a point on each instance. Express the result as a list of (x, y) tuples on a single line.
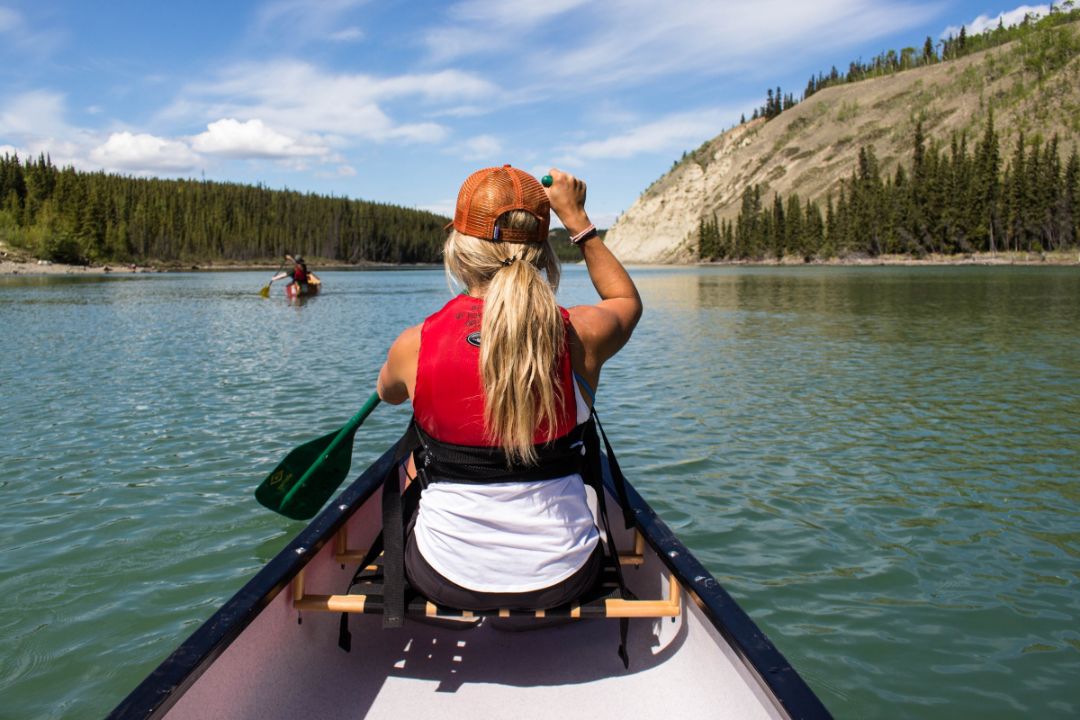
[(510, 536)]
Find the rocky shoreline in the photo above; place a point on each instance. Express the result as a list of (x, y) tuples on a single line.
[(45, 267)]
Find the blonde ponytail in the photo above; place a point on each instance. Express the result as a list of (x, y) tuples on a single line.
[(521, 333)]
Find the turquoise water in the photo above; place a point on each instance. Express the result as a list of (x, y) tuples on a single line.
[(881, 464)]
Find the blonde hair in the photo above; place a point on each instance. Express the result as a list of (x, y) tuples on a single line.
[(521, 332)]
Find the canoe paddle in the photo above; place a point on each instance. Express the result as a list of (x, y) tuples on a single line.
[(307, 477), (265, 292)]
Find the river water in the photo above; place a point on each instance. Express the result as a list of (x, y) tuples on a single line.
[(882, 465)]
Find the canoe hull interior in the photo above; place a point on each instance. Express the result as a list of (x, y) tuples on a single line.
[(276, 667)]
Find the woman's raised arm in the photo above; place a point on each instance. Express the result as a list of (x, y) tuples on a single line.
[(605, 327)]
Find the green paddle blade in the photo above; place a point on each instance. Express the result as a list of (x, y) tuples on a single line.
[(302, 483), (265, 292)]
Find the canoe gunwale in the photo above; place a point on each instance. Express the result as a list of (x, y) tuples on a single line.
[(165, 685), (759, 655), (160, 690)]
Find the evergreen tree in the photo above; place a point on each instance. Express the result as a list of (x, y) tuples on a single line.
[(778, 225), (813, 232), (984, 218), (793, 226), (1070, 201), (1018, 210)]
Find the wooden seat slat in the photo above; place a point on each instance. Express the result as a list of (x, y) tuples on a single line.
[(600, 602)]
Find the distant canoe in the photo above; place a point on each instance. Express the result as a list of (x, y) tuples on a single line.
[(696, 655)]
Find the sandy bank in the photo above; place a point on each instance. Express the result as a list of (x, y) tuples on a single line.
[(8, 267)]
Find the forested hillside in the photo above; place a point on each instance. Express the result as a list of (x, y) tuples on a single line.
[(947, 201), (915, 152), (76, 217)]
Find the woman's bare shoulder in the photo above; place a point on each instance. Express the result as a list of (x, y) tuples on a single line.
[(408, 340)]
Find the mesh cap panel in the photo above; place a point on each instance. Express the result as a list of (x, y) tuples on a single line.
[(489, 193)]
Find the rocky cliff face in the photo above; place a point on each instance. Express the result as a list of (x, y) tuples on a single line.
[(810, 147)]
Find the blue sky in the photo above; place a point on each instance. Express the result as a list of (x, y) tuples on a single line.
[(398, 101)]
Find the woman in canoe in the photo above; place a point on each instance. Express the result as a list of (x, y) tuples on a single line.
[(499, 379), (299, 275)]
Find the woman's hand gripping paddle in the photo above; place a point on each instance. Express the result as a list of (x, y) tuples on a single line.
[(265, 292), (310, 474)]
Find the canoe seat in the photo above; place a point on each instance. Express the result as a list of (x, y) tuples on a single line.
[(600, 602)]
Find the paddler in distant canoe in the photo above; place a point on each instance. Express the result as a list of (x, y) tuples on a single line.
[(300, 275)]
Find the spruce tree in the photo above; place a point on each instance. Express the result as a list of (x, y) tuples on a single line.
[(928, 55), (778, 225), (793, 226), (984, 217), (1071, 201), (1017, 196)]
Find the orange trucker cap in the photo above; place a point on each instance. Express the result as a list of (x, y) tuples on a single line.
[(489, 193)]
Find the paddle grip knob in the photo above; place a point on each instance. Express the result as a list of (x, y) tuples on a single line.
[(547, 180)]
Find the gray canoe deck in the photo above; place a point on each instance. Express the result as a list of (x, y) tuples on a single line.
[(281, 669)]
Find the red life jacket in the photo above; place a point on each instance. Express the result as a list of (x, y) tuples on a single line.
[(299, 274), (449, 396)]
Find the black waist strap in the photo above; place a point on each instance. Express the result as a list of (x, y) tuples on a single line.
[(445, 462)]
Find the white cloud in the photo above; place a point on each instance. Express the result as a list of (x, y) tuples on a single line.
[(20, 36), (463, 111), (299, 99), (631, 42), (346, 171), (143, 152), (417, 133), (988, 22), (524, 16), (722, 36), (297, 22), (349, 34), (491, 25), (35, 122), (481, 147), (666, 135), (9, 20), (252, 139), (453, 85), (35, 113)]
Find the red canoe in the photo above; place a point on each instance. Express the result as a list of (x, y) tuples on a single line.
[(292, 290)]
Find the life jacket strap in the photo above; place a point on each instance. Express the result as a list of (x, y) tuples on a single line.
[(446, 462)]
